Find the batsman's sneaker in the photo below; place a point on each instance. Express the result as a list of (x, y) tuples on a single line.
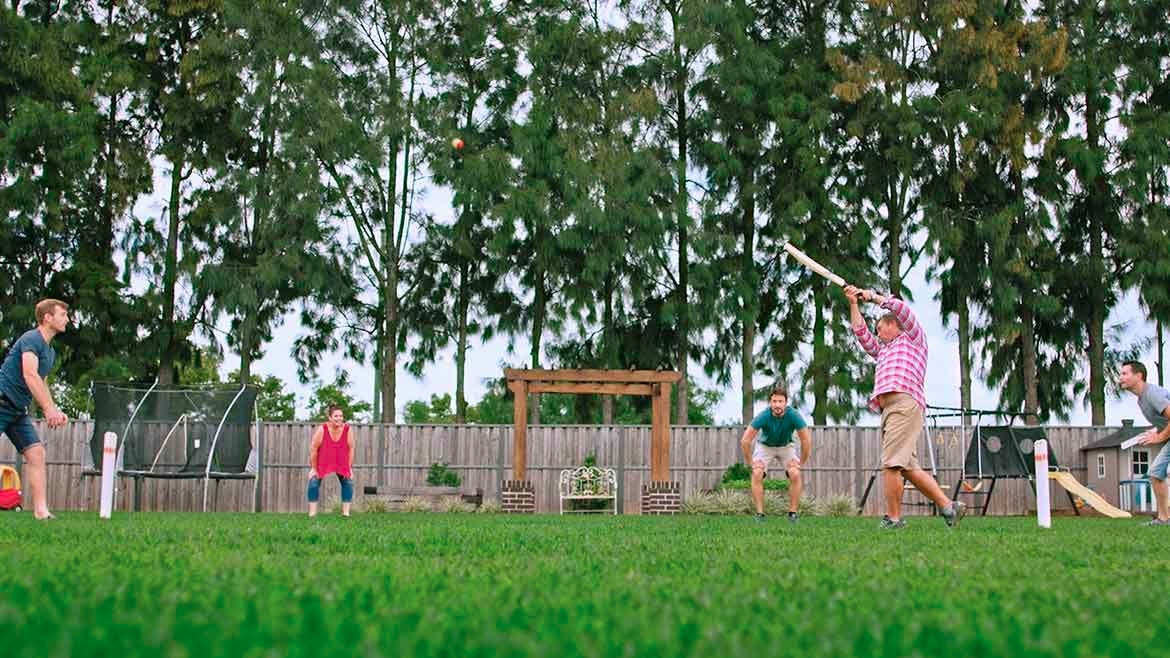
[(891, 524), (955, 513)]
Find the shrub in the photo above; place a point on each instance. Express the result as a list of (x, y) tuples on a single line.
[(415, 504), (699, 503), (841, 506), (453, 505), (440, 475), (490, 507), (735, 472), (726, 501), (809, 506), (771, 484), (375, 505), (775, 505), (723, 501)]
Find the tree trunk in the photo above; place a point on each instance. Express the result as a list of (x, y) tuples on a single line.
[(1097, 327), (894, 247), (377, 395), (461, 310), (1028, 352), (102, 241), (1160, 362), (750, 305), (390, 373), (1098, 205), (96, 248), (389, 256), (539, 304), (248, 342), (464, 299), (682, 214), (818, 374), (247, 338), (389, 347), (608, 348), (964, 356), (1024, 310), (170, 343)]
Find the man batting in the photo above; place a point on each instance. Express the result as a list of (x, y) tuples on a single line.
[(900, 350)]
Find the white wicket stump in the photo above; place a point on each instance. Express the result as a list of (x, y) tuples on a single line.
[(109, 453), (1043, 495)]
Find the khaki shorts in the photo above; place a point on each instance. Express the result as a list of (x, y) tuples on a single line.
[(763, 456), (901, 424)]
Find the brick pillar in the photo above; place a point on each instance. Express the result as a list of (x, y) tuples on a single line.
[(661, 498), (518, 497)]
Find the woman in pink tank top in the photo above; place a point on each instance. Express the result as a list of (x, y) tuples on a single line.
[(331, 453)]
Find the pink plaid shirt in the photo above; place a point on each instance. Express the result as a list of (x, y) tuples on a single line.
[(901, 363)]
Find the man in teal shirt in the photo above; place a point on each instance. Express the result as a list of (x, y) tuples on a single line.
[(774, 428)]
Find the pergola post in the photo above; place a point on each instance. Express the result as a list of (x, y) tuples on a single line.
[(660, 433), (517, 495), (520, 434), (660, 495)]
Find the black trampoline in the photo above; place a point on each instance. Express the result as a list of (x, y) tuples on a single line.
[(176, 433)]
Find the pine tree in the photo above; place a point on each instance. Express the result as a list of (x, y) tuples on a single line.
[(48, 145), (472, 53), (365, 101), (681, 39), (272, 248), (192, 86)]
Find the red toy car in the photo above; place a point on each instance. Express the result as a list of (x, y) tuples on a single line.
[(10, 497)]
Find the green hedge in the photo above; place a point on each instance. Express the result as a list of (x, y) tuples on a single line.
[(771, 484)]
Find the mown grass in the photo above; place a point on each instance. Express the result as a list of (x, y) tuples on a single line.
[(473, 585)]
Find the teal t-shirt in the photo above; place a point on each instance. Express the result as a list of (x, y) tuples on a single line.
[(777, 431)]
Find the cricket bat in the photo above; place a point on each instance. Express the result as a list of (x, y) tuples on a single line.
[(812, 264)]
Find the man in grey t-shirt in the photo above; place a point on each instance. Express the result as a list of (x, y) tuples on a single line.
[(22, 380), (1154, 402)]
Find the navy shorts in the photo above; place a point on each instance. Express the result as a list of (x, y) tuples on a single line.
[(17, 425)]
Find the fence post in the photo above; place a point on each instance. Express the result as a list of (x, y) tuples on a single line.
[(858, 467), (258, 488), (501, 456), (382, 439), (621, 470)]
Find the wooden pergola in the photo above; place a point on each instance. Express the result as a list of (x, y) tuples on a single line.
[(653, 383)]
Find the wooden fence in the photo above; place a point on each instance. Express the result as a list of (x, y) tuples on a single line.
[(843, 460)]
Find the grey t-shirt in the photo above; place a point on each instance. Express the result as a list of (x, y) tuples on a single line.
[(12, 383), (1153, 402)]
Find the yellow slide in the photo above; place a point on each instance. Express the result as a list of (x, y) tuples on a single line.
[(1091, 497)]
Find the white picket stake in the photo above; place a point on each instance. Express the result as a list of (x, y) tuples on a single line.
[(109, 452), (1043, 498)]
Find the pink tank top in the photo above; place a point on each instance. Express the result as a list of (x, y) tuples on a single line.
[(333, 455)]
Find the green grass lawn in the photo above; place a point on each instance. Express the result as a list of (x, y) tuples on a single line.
[(407, 585)]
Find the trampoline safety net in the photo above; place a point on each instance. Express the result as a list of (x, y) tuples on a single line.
[(173, 430)]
